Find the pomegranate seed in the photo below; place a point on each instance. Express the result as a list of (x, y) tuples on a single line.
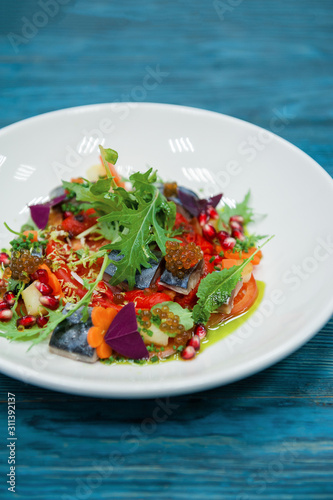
[(67, 213), (4, 259), (235, 225), (237, 218), (43, 288), (42, 321), (9, 297), (203, 218), (209, 232), (26, 321), (6, 315), (212, 213), (194, 342), (229, 243), (217, 260), (200, 331), (3, 305), (188, 352), (49, 301), (42, 275), (34, 276), (238, 235), (222, 235)]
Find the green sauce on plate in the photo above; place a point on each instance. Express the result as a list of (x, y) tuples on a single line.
[(213, 335)]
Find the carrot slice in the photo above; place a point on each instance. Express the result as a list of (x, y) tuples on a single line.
[(229, 254), (102, 317), (77, 180), (34, 234), (228, 263), (114, 174), (95, 336), (104, 350)]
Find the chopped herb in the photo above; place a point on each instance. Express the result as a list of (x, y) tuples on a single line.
[(70, 207), (212, 259), (154, 359), (139, 361), (249, 242)]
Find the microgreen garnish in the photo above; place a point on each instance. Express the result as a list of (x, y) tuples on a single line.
[(243, 209), (248, 242)]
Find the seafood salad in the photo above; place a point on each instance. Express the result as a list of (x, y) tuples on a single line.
[(127, 271)]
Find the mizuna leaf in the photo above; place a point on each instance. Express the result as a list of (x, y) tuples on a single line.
[(145, 222), (215, 289)]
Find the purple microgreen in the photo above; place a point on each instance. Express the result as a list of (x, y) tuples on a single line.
[(40, 213), (194, 205), (123, 335)]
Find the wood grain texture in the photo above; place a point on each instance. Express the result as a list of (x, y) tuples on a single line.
[(266, 437)]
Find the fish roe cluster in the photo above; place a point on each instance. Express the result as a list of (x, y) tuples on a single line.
[(23, 263), (170, 189), (145, 318), (169, 320), (181, 258)]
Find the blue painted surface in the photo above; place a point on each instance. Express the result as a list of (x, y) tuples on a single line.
[(266, 437)]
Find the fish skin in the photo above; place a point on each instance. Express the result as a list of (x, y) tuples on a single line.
[(69, 338)]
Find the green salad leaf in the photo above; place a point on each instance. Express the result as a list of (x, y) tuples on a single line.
[(216, 288), (146, 220), (108, 155), (241, 208), (135, 221)]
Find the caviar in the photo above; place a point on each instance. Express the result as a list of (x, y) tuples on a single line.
[(23, 263), (169, 320), (181, 258), (145, 318), (170, 189), (3, 287)]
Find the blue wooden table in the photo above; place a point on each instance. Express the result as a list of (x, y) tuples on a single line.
[(266, 437)]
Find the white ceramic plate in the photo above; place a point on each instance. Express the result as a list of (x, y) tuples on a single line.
[(199, 149)]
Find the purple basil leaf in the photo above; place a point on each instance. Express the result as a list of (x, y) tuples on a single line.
[(130, 345), (40, 213), (194, 205), (123, 336), (189, 202)]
